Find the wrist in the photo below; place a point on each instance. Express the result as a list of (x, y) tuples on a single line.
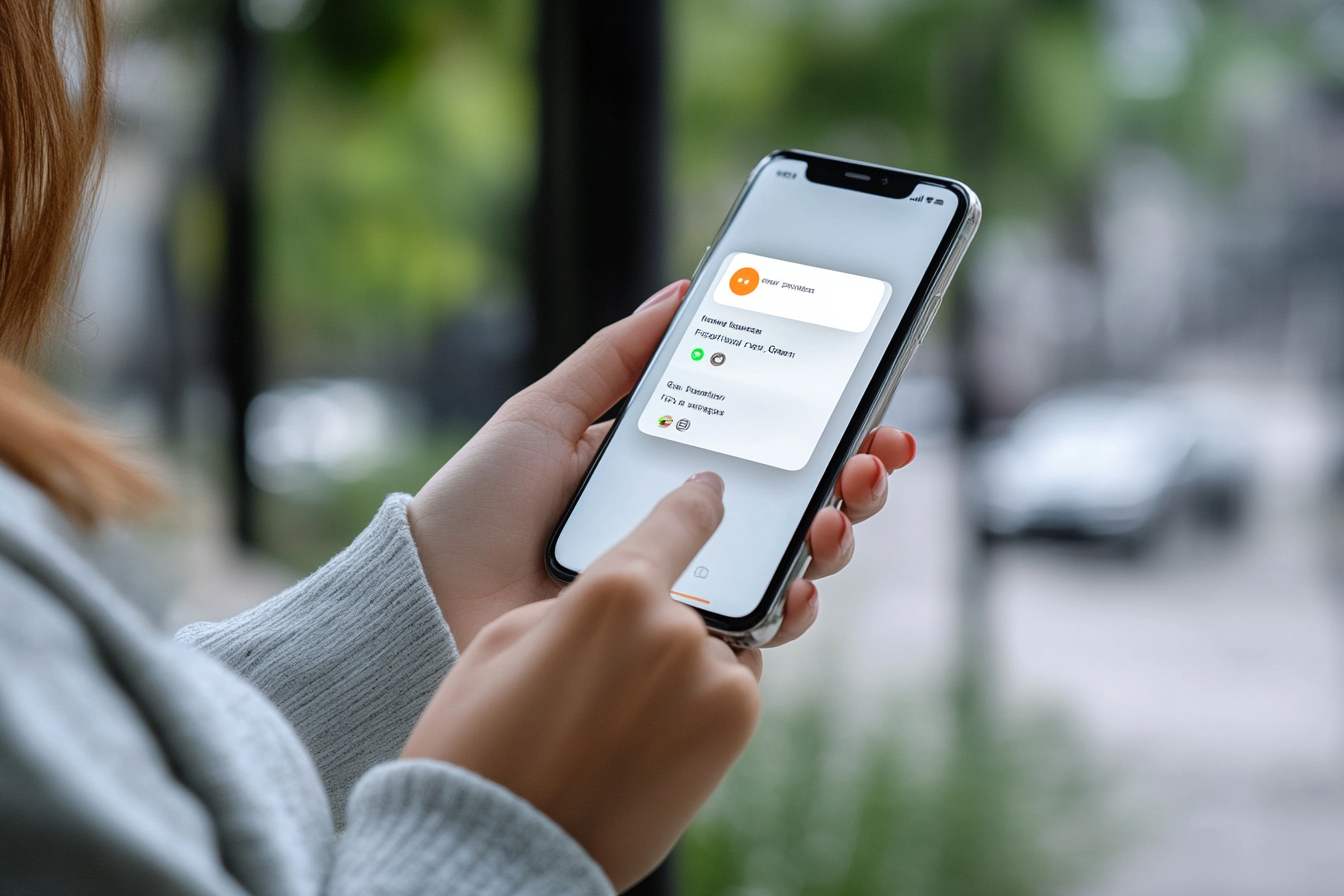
[(427, 548)]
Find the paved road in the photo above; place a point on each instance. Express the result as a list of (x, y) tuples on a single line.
[(1210, 675)]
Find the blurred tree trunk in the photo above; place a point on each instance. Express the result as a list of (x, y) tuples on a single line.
[(239, 328), (170, 366), (598, 247), (973, 123)]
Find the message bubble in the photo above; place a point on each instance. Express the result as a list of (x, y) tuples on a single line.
[(760, 369), (800, 292)]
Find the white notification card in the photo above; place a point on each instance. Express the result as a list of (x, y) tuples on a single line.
[(759, 371)]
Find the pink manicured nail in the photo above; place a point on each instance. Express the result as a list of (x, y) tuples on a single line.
[(712, 480), (879, 487), (879, 473), (660, 296)]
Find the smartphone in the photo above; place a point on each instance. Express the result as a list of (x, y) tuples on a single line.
[(783, 356)]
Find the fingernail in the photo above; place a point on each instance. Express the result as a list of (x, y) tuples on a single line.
[(847, 540), (882, 483), (713, 480), (879, 477), (813, 598), (661, 296)]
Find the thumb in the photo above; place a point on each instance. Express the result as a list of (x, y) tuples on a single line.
[(605, 368)]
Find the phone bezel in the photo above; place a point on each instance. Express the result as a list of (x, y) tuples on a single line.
[(830, 171)]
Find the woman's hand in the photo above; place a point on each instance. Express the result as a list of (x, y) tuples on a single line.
[(610, 709), (481, 524)]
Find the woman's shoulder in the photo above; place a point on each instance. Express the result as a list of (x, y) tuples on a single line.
[(149, 732), (25, 512), (34, 530), (48, 583)]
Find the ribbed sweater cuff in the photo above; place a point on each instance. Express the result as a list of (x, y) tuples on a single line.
[(351, 655), (419, 826)]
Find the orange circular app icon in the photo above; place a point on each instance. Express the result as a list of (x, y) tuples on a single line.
[(744, 281)]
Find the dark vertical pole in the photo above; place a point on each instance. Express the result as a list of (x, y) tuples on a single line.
[(599, 241), (974, 126), (170, 369), (970, 759), (598, 247), (239, 349), (974, 625)]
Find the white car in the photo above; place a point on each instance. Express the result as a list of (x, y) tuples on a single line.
[(1110, 461)]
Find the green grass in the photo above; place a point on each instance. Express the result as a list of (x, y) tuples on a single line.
[(1010, 808)]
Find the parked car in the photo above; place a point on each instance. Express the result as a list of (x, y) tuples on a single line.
[(1112, 461)]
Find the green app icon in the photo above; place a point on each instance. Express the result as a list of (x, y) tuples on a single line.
[(697, 354)]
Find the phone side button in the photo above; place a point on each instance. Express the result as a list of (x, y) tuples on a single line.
[(949, 269), (928, 318)]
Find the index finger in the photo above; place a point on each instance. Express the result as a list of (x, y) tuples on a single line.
[(892, 446), (663, 545)]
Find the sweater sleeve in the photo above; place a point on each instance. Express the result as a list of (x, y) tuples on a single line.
[(350, 655), (419, 826)]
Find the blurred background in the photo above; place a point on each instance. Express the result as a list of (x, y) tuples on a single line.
[(1093, 646)]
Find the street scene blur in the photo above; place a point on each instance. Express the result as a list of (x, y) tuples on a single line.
[(1095, 643)]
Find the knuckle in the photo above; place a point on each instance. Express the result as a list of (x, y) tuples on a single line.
[(680, 633), (623, 587), (498, 634), (620, 584), (623, 579), (492, 637), (521, 401), (533, 403), (733, 701), (687, 624)]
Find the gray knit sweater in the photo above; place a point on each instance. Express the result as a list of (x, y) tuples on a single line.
[(226, 762)]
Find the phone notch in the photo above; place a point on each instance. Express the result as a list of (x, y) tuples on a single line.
[(849, 175)]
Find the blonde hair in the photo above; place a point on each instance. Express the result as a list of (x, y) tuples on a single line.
[(51, 150)]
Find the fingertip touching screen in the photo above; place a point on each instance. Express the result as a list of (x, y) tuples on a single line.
[(761, 373)]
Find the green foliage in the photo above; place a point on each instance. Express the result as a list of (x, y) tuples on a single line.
[(1008, 95), (1015, 808), (305, 531), (397, 156), (394, 182), (1011, 96), (359, 38)]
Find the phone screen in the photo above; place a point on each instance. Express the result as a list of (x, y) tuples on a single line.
[(761, 373)]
